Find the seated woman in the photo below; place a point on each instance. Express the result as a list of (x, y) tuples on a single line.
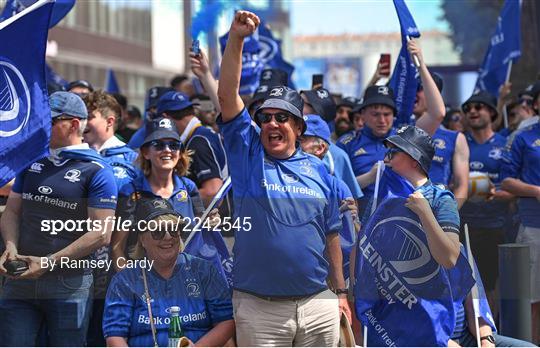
[(164, 162), (144, 293)]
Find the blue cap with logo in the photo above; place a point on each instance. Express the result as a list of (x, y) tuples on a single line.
[(317, 127), (173, 101), (67, 103), (160, 128)]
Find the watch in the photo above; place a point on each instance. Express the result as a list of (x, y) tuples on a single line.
[(489, 338), (341, 291)]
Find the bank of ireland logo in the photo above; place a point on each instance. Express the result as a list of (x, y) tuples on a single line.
[(413, 261), (46, 190), (14, 100), (289, 178)]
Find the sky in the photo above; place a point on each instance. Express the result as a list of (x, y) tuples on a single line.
[(311, 17)]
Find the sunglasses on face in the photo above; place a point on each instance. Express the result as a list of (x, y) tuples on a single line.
[(280, 117), (526, 101), (159, 234), (160, 145), (392, 152), (476, 107)]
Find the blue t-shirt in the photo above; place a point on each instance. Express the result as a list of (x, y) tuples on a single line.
[(338, 164), (486, 157), (292, 205), (441, 165), (121, 160), (61, 190), (195, 286), (364, 150), (522, 161)]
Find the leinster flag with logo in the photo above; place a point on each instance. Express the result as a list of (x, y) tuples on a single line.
[(25, 117), (404, 81), (402, 295)]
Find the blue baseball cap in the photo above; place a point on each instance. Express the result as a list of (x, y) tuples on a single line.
[(160, 128), (317, 127), (67, 103), (173, 101)]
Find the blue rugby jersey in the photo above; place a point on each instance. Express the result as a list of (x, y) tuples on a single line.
[(291, 204), (338, 164), (486, 157), (364, 150), (195, 286), (441, 165), (522, 161), (61, 189)]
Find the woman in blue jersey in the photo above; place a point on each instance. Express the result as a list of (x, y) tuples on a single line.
[(139, 298), (164, 162)]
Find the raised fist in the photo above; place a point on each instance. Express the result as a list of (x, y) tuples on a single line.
[(244, 24)]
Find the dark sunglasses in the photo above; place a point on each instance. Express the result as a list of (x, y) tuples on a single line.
[(526, 101), (280, 117), (160, 145), (471, 106), (392, 152), (61, 118), (159, 234)]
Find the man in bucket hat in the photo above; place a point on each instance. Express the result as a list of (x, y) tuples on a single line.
[(283, 258)]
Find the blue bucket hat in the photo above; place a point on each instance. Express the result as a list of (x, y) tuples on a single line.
[(173, 101), (67, 103), (317, 127)]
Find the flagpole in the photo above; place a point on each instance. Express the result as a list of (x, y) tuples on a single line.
[(222, 191), (475, 296), (508, 72), (380, 167)]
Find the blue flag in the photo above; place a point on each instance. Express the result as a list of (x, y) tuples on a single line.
[(404, 78), (25, 117), (111, 83), (399, 287), (60, 9), (271, 53), (252, 64), (505, 46)]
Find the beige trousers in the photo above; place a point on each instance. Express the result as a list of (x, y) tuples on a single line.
[(310, 321)]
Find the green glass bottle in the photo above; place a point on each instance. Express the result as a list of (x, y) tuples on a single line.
[(175, 330)]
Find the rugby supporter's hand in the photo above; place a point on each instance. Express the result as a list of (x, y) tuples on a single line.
[(378, 74), (244, 24), (504, 91), (185, 342), (344, 306), (373, 172), (349, 204), (214, 219), (34, 267), (9, 254), (486, 343), (199, 64), (417, 203), (414, 49)]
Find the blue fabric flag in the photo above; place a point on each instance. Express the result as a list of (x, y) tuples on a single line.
[(111, 84), (404, 78), (60, 9), (206, 19), (271, 53), (504, 46), (208, 243), (25, 117), (252, 65), (399, 287)]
